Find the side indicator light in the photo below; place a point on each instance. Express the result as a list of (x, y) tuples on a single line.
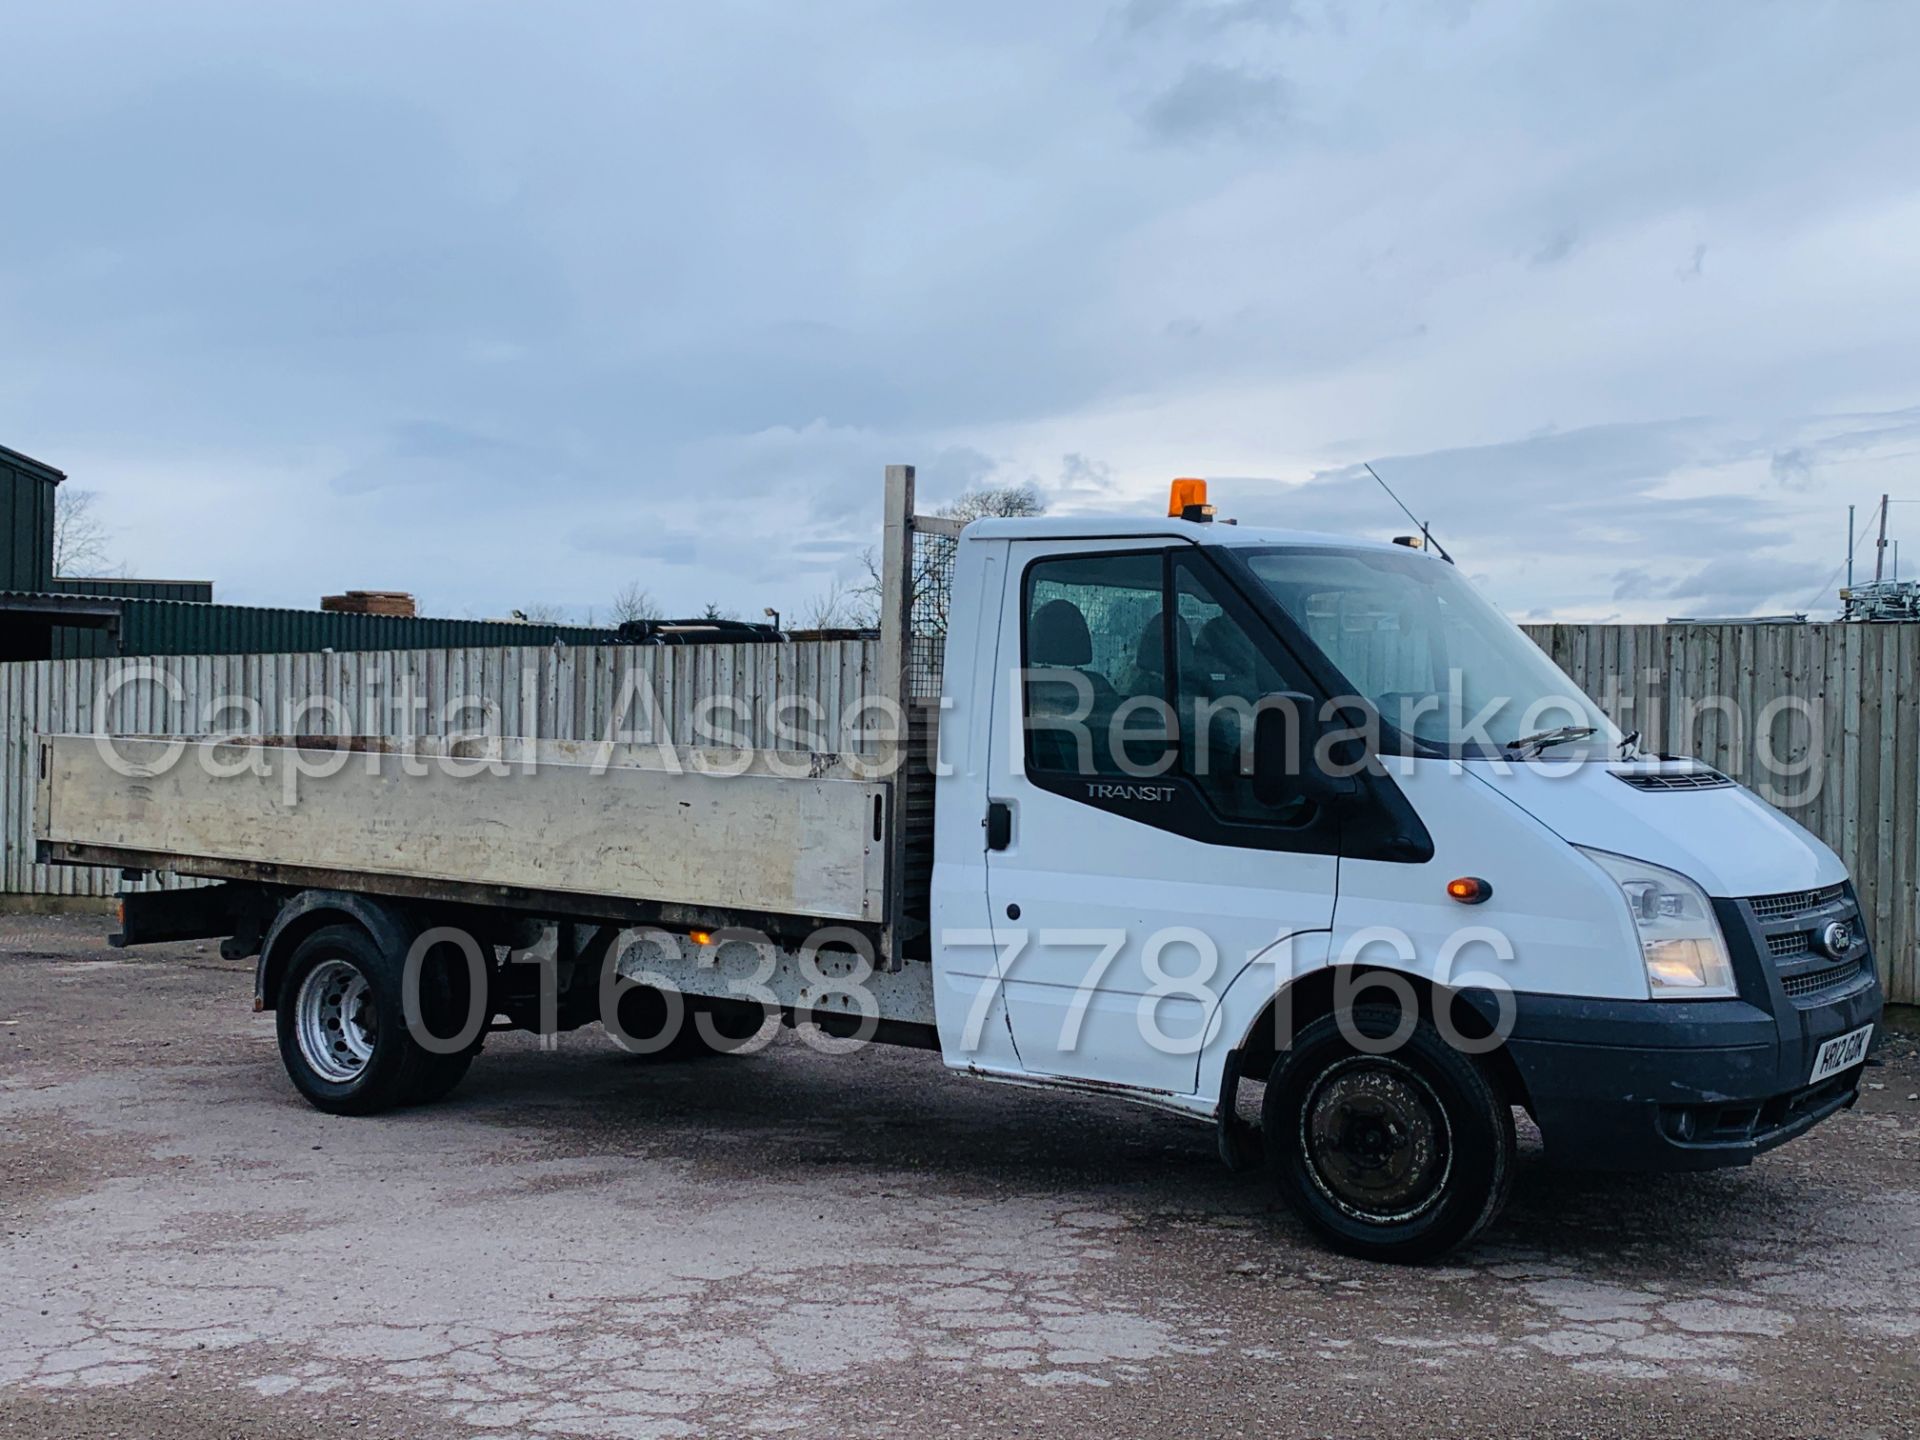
[(700, 937), (1470, 890)]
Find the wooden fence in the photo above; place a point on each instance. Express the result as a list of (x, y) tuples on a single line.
[(1823, 720)]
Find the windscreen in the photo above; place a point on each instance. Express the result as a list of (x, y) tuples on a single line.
[(1440, 663)]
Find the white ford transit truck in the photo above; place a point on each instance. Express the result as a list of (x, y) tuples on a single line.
[(1152, 807)]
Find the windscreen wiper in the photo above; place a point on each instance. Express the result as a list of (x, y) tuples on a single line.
[(1544, 738)]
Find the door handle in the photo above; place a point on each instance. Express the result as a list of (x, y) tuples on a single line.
[(999, 823)]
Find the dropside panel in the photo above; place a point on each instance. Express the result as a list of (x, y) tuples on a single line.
[(780, 844)]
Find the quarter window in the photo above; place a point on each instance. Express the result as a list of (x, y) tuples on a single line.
[(1223, 677)]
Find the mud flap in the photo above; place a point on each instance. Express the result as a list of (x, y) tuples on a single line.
[(1241, 1146)]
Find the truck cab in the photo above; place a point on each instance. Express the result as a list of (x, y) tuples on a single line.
[(1154, 879)]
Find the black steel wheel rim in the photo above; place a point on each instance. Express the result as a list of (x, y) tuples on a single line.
[(1376, 1139)]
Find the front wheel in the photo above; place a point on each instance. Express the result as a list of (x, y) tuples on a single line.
[(1395, 1156)]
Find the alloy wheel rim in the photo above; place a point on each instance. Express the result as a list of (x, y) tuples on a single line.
[(334, 1021)]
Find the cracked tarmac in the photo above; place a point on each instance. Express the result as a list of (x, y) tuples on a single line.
[(581, 1244)]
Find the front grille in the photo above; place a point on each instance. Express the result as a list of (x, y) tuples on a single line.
[(1789, 931), (1791, 906), (1679, 780), (1816, 982)]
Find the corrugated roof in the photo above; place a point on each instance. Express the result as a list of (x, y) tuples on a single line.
[(149, 626), (133, 589), (27, 462)]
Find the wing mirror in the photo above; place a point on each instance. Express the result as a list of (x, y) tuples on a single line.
[(1284, 767)]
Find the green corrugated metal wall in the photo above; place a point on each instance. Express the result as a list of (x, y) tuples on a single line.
[(26, 521), (178, 627), (198, 590)]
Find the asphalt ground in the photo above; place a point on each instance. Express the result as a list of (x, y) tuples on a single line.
[(578, 1243)]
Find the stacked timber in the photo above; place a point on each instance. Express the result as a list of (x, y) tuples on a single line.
[(370, 602)]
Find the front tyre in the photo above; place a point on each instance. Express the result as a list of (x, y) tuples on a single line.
[(1397, 1156), (343, 1030)]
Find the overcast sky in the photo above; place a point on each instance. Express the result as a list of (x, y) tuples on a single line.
[(511, 304)]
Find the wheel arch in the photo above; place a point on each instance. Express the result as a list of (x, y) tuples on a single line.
[(1315, 994), (390, 925)]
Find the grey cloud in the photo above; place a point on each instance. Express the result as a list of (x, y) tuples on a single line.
[(1542, 505), (1212, 100), (1083, 476), (954, 471), (1792, 468), (426, 453), (1745, 585), (242, 211), (660, 544), (1555, 248), (1849, 437), (1144, 14), (1634, 584), (1600, 474), (1209, 15), (567, 298)]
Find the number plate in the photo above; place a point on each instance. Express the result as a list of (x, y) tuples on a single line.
[(1843, 1052)]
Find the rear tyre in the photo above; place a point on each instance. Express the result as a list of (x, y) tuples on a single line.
[(343, 1030), (1398, 1156), (447, 1003), (725, 1027), (685, 1027), (440, 1075)]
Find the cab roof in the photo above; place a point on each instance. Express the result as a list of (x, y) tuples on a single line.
[(1132, 527)]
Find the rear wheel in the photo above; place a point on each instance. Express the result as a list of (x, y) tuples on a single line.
[(1397, 1156), (440, 1075), (685, 1027), (724, 1027), (343, 1030)]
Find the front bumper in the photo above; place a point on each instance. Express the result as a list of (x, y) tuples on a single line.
[(1693, 1085)]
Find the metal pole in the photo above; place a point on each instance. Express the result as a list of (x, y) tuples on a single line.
[(1849, 547), (896, 657), (1880, 546)]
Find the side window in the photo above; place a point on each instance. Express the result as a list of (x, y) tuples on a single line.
[(1221, 677), (1094, 639)]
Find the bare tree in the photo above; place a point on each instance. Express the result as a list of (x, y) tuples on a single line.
[(631, 602), (545, 614), (995, 500), (933, 555), (716, 611), (80, 536), (838, 607)]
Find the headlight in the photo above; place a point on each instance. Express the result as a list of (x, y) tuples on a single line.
[(1686, 955)]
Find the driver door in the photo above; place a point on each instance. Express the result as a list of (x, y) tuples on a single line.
[(1140, 875)]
